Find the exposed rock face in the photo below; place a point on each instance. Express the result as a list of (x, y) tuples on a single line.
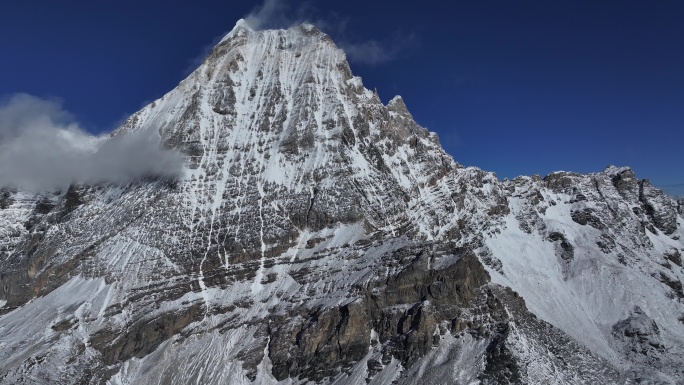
[(660, 208), (5, 199), (674, 256), (643, 343), (319, 235), (640, 330)]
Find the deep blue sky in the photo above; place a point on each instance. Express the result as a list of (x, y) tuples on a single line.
[(515, 87)]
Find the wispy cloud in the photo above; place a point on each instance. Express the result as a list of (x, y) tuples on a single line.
[(279, 14), (373, 52), (43, 148), (369, 52), (270, 14)]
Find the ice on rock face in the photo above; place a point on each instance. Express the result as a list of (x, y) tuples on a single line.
[(319, 235)]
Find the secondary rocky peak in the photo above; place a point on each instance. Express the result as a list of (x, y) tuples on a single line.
[(398, 106)]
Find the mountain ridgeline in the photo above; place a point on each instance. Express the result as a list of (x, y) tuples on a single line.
[(317, 234)]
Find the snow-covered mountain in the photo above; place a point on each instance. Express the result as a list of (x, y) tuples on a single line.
[(319, 235)]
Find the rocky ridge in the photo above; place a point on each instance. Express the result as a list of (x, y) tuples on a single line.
[(320, 235)]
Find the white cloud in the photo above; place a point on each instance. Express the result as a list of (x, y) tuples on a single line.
[(270, 14), (374, 52), (42, 148), (279, 14), (370, 52)]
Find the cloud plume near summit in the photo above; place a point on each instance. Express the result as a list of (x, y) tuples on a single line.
[(281, 14), (43, 148)]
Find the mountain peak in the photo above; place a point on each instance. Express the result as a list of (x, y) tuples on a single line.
[(242, 23), (241, 28), (288, 95), (309, 27), (318, 235)]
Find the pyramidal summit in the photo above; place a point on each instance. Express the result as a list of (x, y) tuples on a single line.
[(317, 235)]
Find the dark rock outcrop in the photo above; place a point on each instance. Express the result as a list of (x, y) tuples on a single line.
[(659, 207)]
